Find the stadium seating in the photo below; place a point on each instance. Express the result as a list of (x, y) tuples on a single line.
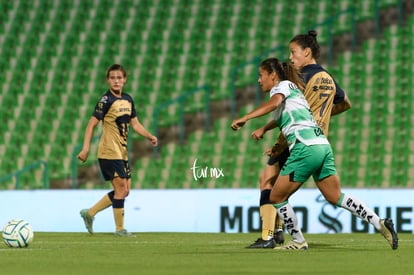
[(54, 55)]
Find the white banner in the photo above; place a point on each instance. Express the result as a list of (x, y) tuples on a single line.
[(200, 210)]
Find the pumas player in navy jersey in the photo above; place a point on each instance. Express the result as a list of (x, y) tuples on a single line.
[(116, 110)]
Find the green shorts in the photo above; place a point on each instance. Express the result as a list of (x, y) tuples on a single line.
[(305, 161)]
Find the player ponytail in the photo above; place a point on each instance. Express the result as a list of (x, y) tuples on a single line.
[(284, 71), (293, 75), (308, 41)]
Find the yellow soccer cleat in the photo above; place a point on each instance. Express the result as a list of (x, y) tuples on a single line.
[(387, 230), (292, 245)]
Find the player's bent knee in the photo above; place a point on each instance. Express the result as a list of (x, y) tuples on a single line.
[(270, 181), (121, 193), (125, 193)]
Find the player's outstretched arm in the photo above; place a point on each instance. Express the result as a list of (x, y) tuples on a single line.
[(262, 110), (83, 155)]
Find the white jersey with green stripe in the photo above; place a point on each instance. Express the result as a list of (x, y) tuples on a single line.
[(294, 117)]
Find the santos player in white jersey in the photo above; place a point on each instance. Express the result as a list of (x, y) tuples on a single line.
[(310, 153)]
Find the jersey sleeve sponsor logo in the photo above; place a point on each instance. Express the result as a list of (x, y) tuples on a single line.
[(104, 99), (284, 87), (292, 86), (101, 107), (99, 110)]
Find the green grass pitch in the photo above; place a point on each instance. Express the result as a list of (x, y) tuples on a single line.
[(204, 253)]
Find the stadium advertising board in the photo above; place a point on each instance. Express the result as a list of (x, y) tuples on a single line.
[(215, 210)]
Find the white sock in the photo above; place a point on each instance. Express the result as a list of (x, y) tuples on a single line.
[(359, 209), (290, 220)]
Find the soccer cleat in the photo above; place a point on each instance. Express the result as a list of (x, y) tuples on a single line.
[(292, 245), (87, 219), (387, 230), (279, 238), (123, 233), (260, 243)]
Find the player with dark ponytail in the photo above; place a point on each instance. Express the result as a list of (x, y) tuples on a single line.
[(326, 99), (310, 154)]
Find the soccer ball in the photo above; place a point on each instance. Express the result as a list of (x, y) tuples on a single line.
[(17, 233)]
